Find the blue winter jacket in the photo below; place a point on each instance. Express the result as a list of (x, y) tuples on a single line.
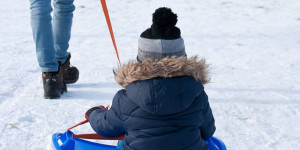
[(167, 112)]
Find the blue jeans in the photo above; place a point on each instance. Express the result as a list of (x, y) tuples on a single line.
[(51, 37)]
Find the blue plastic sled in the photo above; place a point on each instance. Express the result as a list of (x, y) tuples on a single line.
[(66, 141)]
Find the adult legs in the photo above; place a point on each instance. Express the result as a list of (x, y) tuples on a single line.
[(52, 44), (62, 23), (43, 34)]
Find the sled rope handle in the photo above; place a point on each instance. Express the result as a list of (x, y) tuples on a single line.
[(78, 124), (92, 135), (103, 3)]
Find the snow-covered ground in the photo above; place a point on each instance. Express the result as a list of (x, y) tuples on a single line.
[(253, 47)]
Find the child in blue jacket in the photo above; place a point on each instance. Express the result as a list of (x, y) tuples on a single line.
[(163, 105)]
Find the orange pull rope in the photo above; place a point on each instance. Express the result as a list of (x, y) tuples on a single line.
[(110, 28), (80, 123)]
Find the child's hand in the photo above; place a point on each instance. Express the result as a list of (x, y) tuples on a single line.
[(87, 114), (104, 107)]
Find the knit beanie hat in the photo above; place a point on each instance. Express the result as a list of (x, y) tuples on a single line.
[(163, 39)]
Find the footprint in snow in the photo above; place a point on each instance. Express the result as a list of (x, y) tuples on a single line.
[(26, 119)]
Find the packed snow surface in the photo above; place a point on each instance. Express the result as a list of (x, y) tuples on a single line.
[(253, 47)]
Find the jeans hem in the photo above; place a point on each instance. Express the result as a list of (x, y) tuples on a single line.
[(46, 69)]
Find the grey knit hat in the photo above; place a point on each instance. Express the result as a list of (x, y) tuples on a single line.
[(163, 39)]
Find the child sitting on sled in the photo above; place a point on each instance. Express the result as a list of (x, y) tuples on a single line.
[(163, 105)]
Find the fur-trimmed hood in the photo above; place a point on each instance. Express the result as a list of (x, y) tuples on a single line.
[(166, 68)]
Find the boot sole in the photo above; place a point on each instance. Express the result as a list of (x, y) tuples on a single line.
[(51, 96)]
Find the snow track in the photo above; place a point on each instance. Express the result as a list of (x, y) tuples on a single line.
[(253, 48)]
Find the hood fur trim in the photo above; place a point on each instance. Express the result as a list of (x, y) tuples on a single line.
[(166, 68)]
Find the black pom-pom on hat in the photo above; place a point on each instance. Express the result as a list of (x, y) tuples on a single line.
[(164, 17), (163, 25)]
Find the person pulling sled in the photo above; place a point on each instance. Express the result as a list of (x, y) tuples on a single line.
[(51, 39)]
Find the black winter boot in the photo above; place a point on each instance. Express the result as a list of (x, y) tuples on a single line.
[(53, 83), (71, 73)]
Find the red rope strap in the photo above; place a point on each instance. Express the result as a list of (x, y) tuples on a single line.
[(92, 135), (96, 137), (80, 123)]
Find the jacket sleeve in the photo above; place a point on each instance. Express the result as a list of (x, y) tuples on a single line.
[(208, 126), (107, 123)]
